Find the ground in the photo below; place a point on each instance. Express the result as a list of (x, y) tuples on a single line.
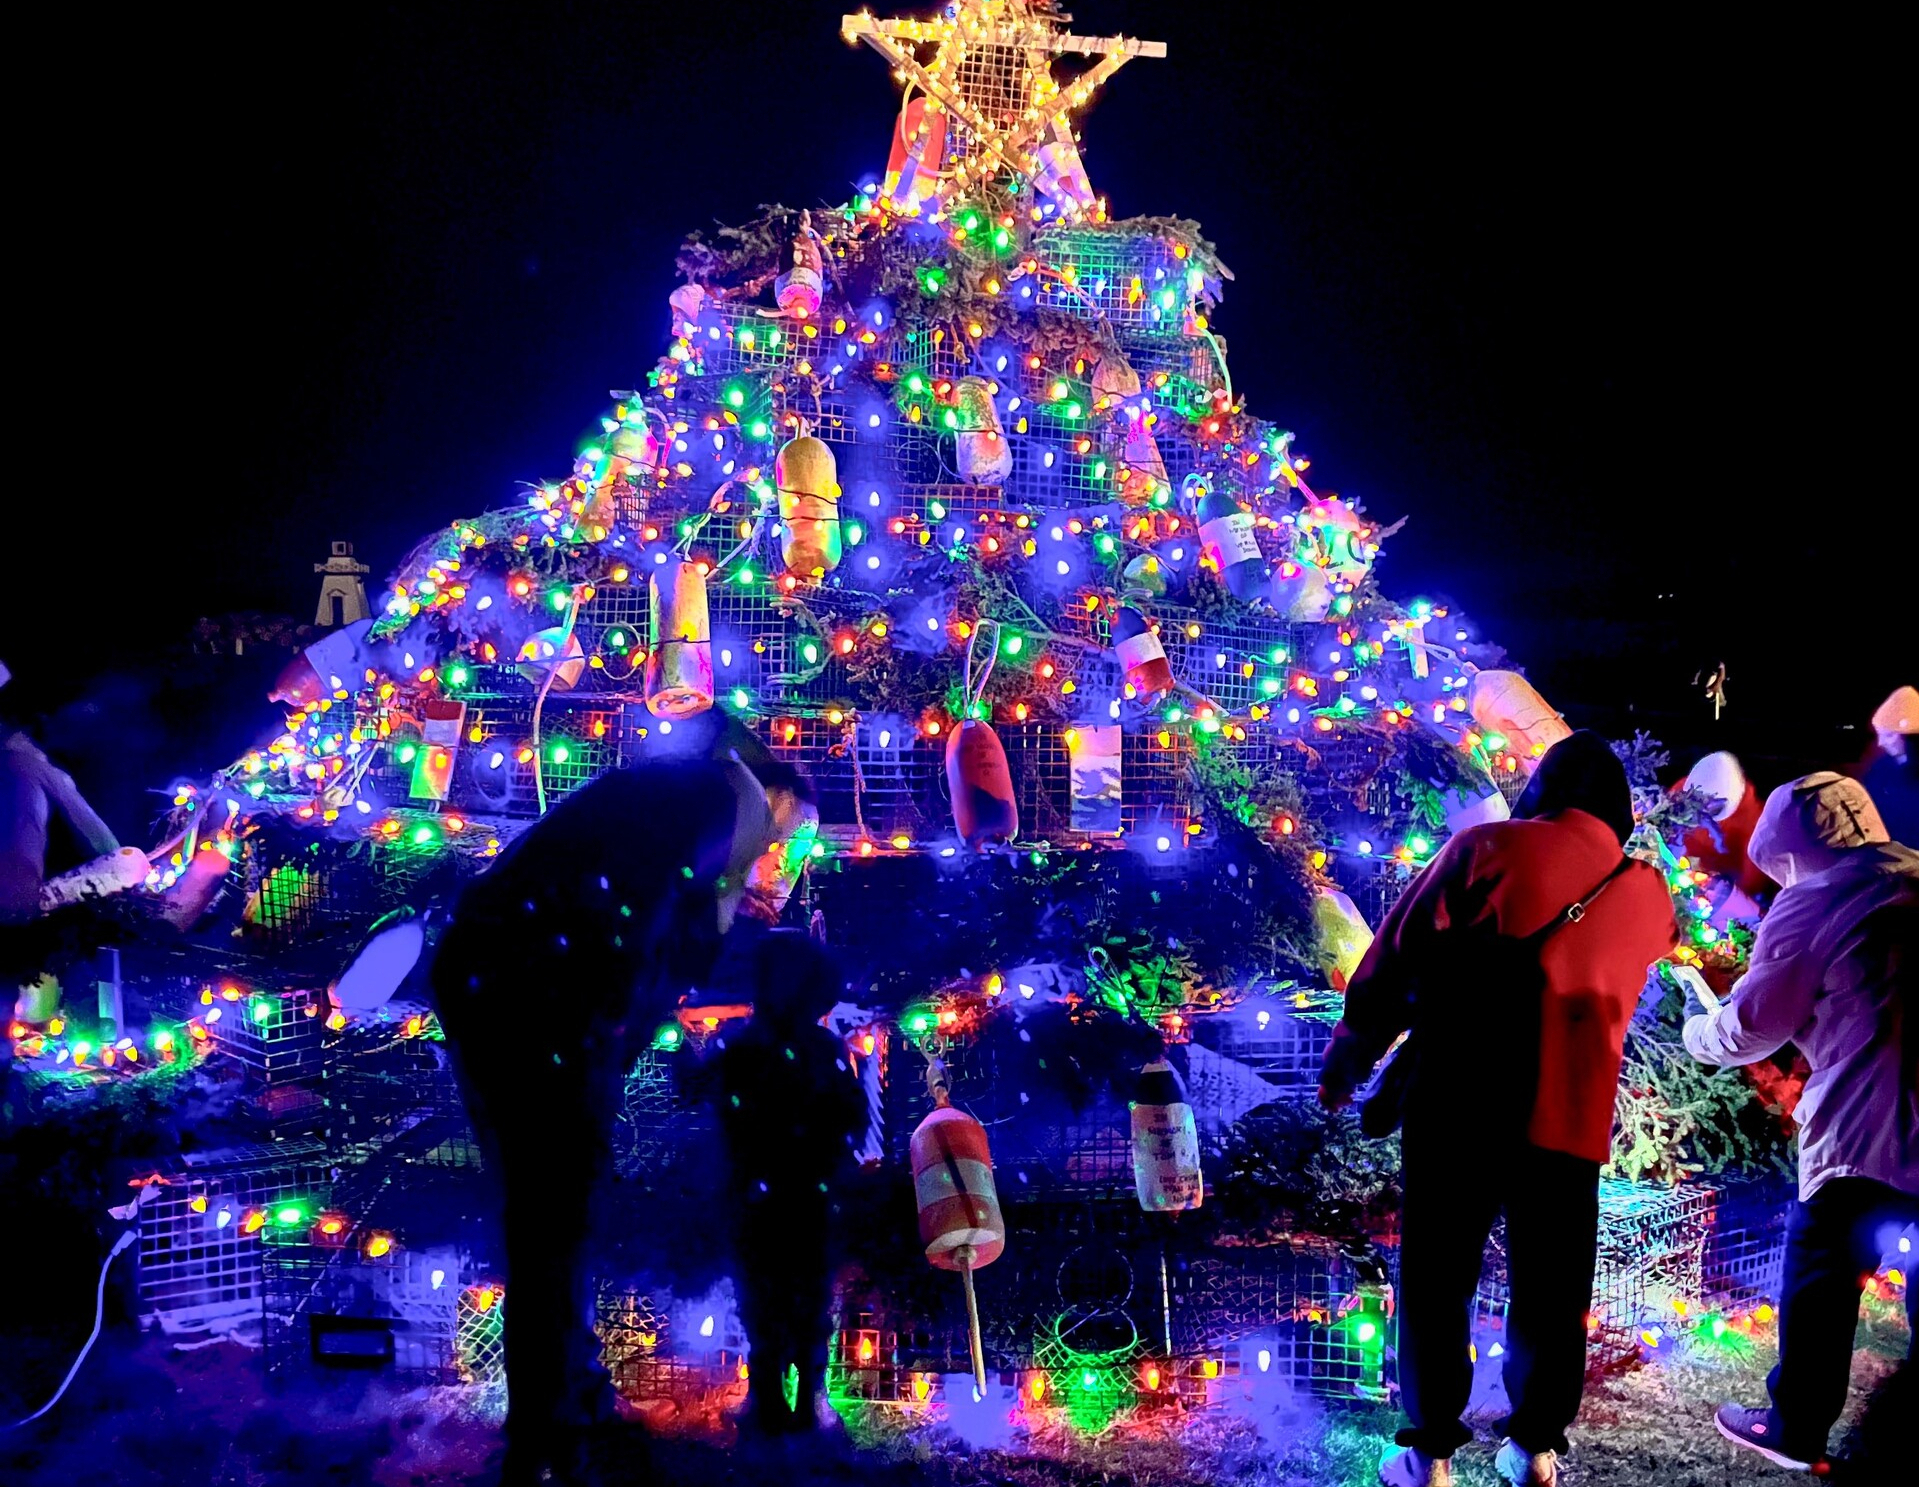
[(141, 1414)]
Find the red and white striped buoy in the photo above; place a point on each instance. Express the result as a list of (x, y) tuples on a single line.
[(960, 1221), (1140, 655)]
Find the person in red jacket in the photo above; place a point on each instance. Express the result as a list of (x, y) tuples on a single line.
[(1515, 960)]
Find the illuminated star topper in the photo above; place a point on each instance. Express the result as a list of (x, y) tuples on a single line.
[(988, 104)]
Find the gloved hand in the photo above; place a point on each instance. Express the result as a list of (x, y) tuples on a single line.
[(1700, 1001)]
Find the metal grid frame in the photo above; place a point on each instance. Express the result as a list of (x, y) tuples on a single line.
[(190, 1265), (1652, 1242), (1104, 266), (638, 1347), (308, 1284), (396, 1095), (1745, 1252), (316, 892), (1286, 1049), (1103, 1299)]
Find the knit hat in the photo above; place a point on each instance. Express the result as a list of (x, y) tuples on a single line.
[(1581, 773)]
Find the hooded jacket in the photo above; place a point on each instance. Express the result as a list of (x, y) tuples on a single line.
[(1833, 971), (1508, 880)]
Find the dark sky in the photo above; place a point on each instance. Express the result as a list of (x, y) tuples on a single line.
[(1589, 296)]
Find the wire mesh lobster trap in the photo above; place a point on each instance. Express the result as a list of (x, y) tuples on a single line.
[(198, 1257), (1745, 1251), (1652, 1243), (1139, 283), (1098, 1310), (681, 1355), (1278, 1042), (390, 1092), (377, 1276)]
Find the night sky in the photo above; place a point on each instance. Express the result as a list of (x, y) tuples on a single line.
[(1591, 299)]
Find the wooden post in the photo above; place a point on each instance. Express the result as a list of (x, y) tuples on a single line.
[(964, 1254)]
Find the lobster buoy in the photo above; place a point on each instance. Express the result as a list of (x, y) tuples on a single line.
[(798, 291), (960, 1221), (1302, 592), (553, 650), (919, 150), (1231, 541), (984, 808), (1062, 178), (119, 870), (1165, 1143), (679, 660), (809, 487), (1115, 381), (1141, 655), (1504, 702), (979, 443), (1343, 934)]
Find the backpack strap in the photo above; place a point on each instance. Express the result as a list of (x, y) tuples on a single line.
[(1577, 909)]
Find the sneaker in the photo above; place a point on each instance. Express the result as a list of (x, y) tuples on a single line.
[(1757, 1431), (1414, 1468), (1526, 1468)]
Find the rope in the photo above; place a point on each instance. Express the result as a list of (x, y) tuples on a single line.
[(977, 673)]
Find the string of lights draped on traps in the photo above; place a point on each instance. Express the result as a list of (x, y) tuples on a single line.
[(974, 401)]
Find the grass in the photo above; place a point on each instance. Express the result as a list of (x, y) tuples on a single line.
[(142, 1415)]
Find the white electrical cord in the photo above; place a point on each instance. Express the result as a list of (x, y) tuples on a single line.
[(99, 1314)]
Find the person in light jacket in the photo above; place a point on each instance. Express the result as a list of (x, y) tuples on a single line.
[(1833, 971)]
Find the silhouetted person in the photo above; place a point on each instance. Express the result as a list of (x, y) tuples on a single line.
[(1892, 777), (1832, 970), (560, 964), (1518, 1009), (789, 1107)]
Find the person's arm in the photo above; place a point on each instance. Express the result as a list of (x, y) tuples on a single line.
[(66, 798), (1379, 997), (1774, 999), (23, 843)]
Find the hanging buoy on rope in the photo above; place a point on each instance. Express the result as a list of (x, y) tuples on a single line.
[(798, 291), (1165, 1143), (1505, 703), (1141, 655), (985, 810), (554, 650), (960, 1221), (980, 450), (679, 658), (1230, 539), (811, 544)]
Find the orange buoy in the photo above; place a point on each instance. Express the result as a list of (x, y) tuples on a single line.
[(984, 808), (960, 1220)]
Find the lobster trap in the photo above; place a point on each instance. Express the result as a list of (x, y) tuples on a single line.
[(1745, 1252), (679, 1356), (1098, 1311), (1280, 1041), (390, 1091), (200, 1251), (377, 1277), (1652, 1244), (311, 898)]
